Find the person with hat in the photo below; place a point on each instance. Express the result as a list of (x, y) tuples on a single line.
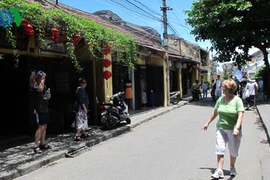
[(41, 109), (81, 108), (252, 87)]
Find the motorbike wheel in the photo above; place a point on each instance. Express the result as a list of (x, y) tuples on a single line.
[(128, 120), (175, 101)]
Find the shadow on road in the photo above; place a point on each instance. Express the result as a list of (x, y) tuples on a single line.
[(226, 173), (204, 102)]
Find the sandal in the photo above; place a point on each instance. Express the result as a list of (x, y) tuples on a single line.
[(37, 150), (45, 146)]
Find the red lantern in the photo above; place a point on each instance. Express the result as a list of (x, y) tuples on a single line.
[(107, 75), (30, 33), (24, 22), (76, 39), (28, 27), (106, 63), (55, 35), (106, 49), (29, 30)]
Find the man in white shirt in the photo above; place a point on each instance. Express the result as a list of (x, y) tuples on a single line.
[(252, 87)]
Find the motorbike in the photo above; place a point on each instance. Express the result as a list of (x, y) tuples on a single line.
[(175, 97), (196, 94), (115, 112)]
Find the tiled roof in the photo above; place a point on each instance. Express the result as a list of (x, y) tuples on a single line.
[(140, 40)]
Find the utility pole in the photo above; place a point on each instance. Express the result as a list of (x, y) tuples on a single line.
[(164, 9)]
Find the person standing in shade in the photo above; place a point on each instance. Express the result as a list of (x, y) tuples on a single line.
[(252, 87), (81, 108), (213, 89), (41, 110), (230, 110), (238, 85), (218, 90), (205, 87)]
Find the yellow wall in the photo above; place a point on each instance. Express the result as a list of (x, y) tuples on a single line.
[(165, 80), (180, 82), (195, 74), (107, 84)]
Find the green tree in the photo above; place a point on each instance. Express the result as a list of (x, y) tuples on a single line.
[(232, 25)]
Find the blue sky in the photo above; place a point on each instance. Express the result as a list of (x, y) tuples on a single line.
[(150, 15)]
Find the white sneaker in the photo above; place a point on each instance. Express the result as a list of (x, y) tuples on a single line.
[(233, 171), (218, 174)]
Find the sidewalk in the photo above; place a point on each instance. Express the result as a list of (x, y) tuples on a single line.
[(20, 160)]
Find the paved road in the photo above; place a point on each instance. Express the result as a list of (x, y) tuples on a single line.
[(171, 147)]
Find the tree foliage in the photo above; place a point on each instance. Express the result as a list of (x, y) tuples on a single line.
[(232, 25)]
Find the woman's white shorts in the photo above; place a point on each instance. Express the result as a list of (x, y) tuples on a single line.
[(226, 136)]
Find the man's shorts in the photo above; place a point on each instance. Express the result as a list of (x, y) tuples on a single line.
[(226, 136), (42, 118)]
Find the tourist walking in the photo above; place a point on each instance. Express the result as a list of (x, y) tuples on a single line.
[(230, 110), (81, 108)]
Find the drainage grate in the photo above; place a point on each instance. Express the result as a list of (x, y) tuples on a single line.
[(76, 152)]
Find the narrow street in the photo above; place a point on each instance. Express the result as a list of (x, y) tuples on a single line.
[(171, 147)]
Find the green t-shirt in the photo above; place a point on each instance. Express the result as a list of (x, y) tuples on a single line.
[(228, 112)]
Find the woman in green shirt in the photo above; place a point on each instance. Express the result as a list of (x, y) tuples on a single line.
[(230, 110)]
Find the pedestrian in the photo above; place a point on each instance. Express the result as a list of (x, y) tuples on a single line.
[(41, 110), (230, 110), (81, 108), (213, 89), (238, 84), (260, 89), (218, 84), (205, 87), (196, 92), (252, 87)]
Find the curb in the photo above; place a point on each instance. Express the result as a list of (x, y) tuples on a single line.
[(72, 151), (265, 159)]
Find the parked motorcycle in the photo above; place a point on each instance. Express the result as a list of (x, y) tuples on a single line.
[(175, 97), (115, 112)]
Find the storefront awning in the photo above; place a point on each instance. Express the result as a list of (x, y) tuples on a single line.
[(202, 68), (173, 57)]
